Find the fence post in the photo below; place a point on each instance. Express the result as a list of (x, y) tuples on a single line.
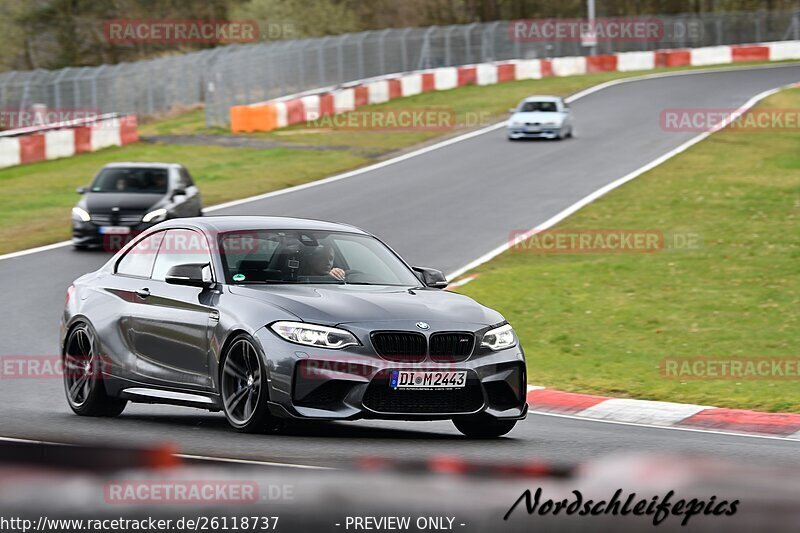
[(57, 87), (95, 73), (321, 60), (404, 37), (381, 49), (468, 41), (360, 54), (796, 25)]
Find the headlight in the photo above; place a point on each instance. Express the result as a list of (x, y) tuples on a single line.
[(314, 335), (550, 123), (155, 216), (499, 338), (78, 213), (517, 123)]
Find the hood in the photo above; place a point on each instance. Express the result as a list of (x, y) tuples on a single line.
[(341, 304), (537, 116), (103, 202)]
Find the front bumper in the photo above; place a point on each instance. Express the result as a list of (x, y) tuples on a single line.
[(87, 234), (311, 383), (541, 132)]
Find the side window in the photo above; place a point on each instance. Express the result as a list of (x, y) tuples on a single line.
[(186, 179), (138, 261), (179, 247)]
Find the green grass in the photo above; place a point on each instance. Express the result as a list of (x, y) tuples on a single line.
[(601, 323), (36, 199)]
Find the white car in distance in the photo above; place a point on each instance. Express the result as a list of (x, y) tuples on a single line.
[(547, 117)]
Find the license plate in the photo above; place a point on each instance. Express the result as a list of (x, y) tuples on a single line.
[(114, 230), (532, 129), (402, 379)]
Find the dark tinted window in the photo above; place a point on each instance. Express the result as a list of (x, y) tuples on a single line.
[(138, 261), (136, 180), (185, 178), (180, 247), (544, 107), (298, 256)]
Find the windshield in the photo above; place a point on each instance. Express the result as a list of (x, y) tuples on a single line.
[(133, 180), (299, 256), (544, 107)]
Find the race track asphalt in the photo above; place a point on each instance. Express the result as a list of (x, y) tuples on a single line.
[(442, 209)]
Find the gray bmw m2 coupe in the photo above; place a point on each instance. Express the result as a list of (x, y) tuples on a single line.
[(270, 319)]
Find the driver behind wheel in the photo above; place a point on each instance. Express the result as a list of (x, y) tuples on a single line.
[(319, 262)]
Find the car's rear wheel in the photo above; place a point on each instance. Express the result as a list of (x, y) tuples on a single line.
[(83, 377), (244, 387), (483, 426)]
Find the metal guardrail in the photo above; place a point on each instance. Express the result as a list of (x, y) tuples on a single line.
[(239, 74)]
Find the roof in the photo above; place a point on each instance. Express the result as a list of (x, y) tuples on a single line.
[(541, 98), (245, 222), (140, 164)]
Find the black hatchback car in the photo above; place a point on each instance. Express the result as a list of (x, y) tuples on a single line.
[(125, 199), (272, 318)]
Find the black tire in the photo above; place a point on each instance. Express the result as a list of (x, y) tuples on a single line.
[(483, 426), (83, 377), (243, 387)]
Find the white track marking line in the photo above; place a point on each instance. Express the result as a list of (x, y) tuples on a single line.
[(376, 166), (552, 221), (36, 250), (184, 456), (669, 428), (251, 462)]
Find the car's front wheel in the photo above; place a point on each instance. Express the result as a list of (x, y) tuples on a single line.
[(83, 365), (243, 385), (483, 426)]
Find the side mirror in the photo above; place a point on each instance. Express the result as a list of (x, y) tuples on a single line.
[(81, 190), (178, 192), (190, 274), (431, 277), (512, 110)]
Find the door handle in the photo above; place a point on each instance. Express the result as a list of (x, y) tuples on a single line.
[(143, 293)]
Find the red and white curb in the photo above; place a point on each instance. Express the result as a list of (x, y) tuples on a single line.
[(664, 414)]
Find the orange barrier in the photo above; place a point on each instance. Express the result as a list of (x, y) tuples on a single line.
[(673, 58), (506, 72), (295, 111), (361, 95), (83, 139), (31, 148), (428, 82), (240, 119), (467, 76), (395, 89), (263, 117), (605, 63), (750, 53), (326, 105), (127, 131)]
